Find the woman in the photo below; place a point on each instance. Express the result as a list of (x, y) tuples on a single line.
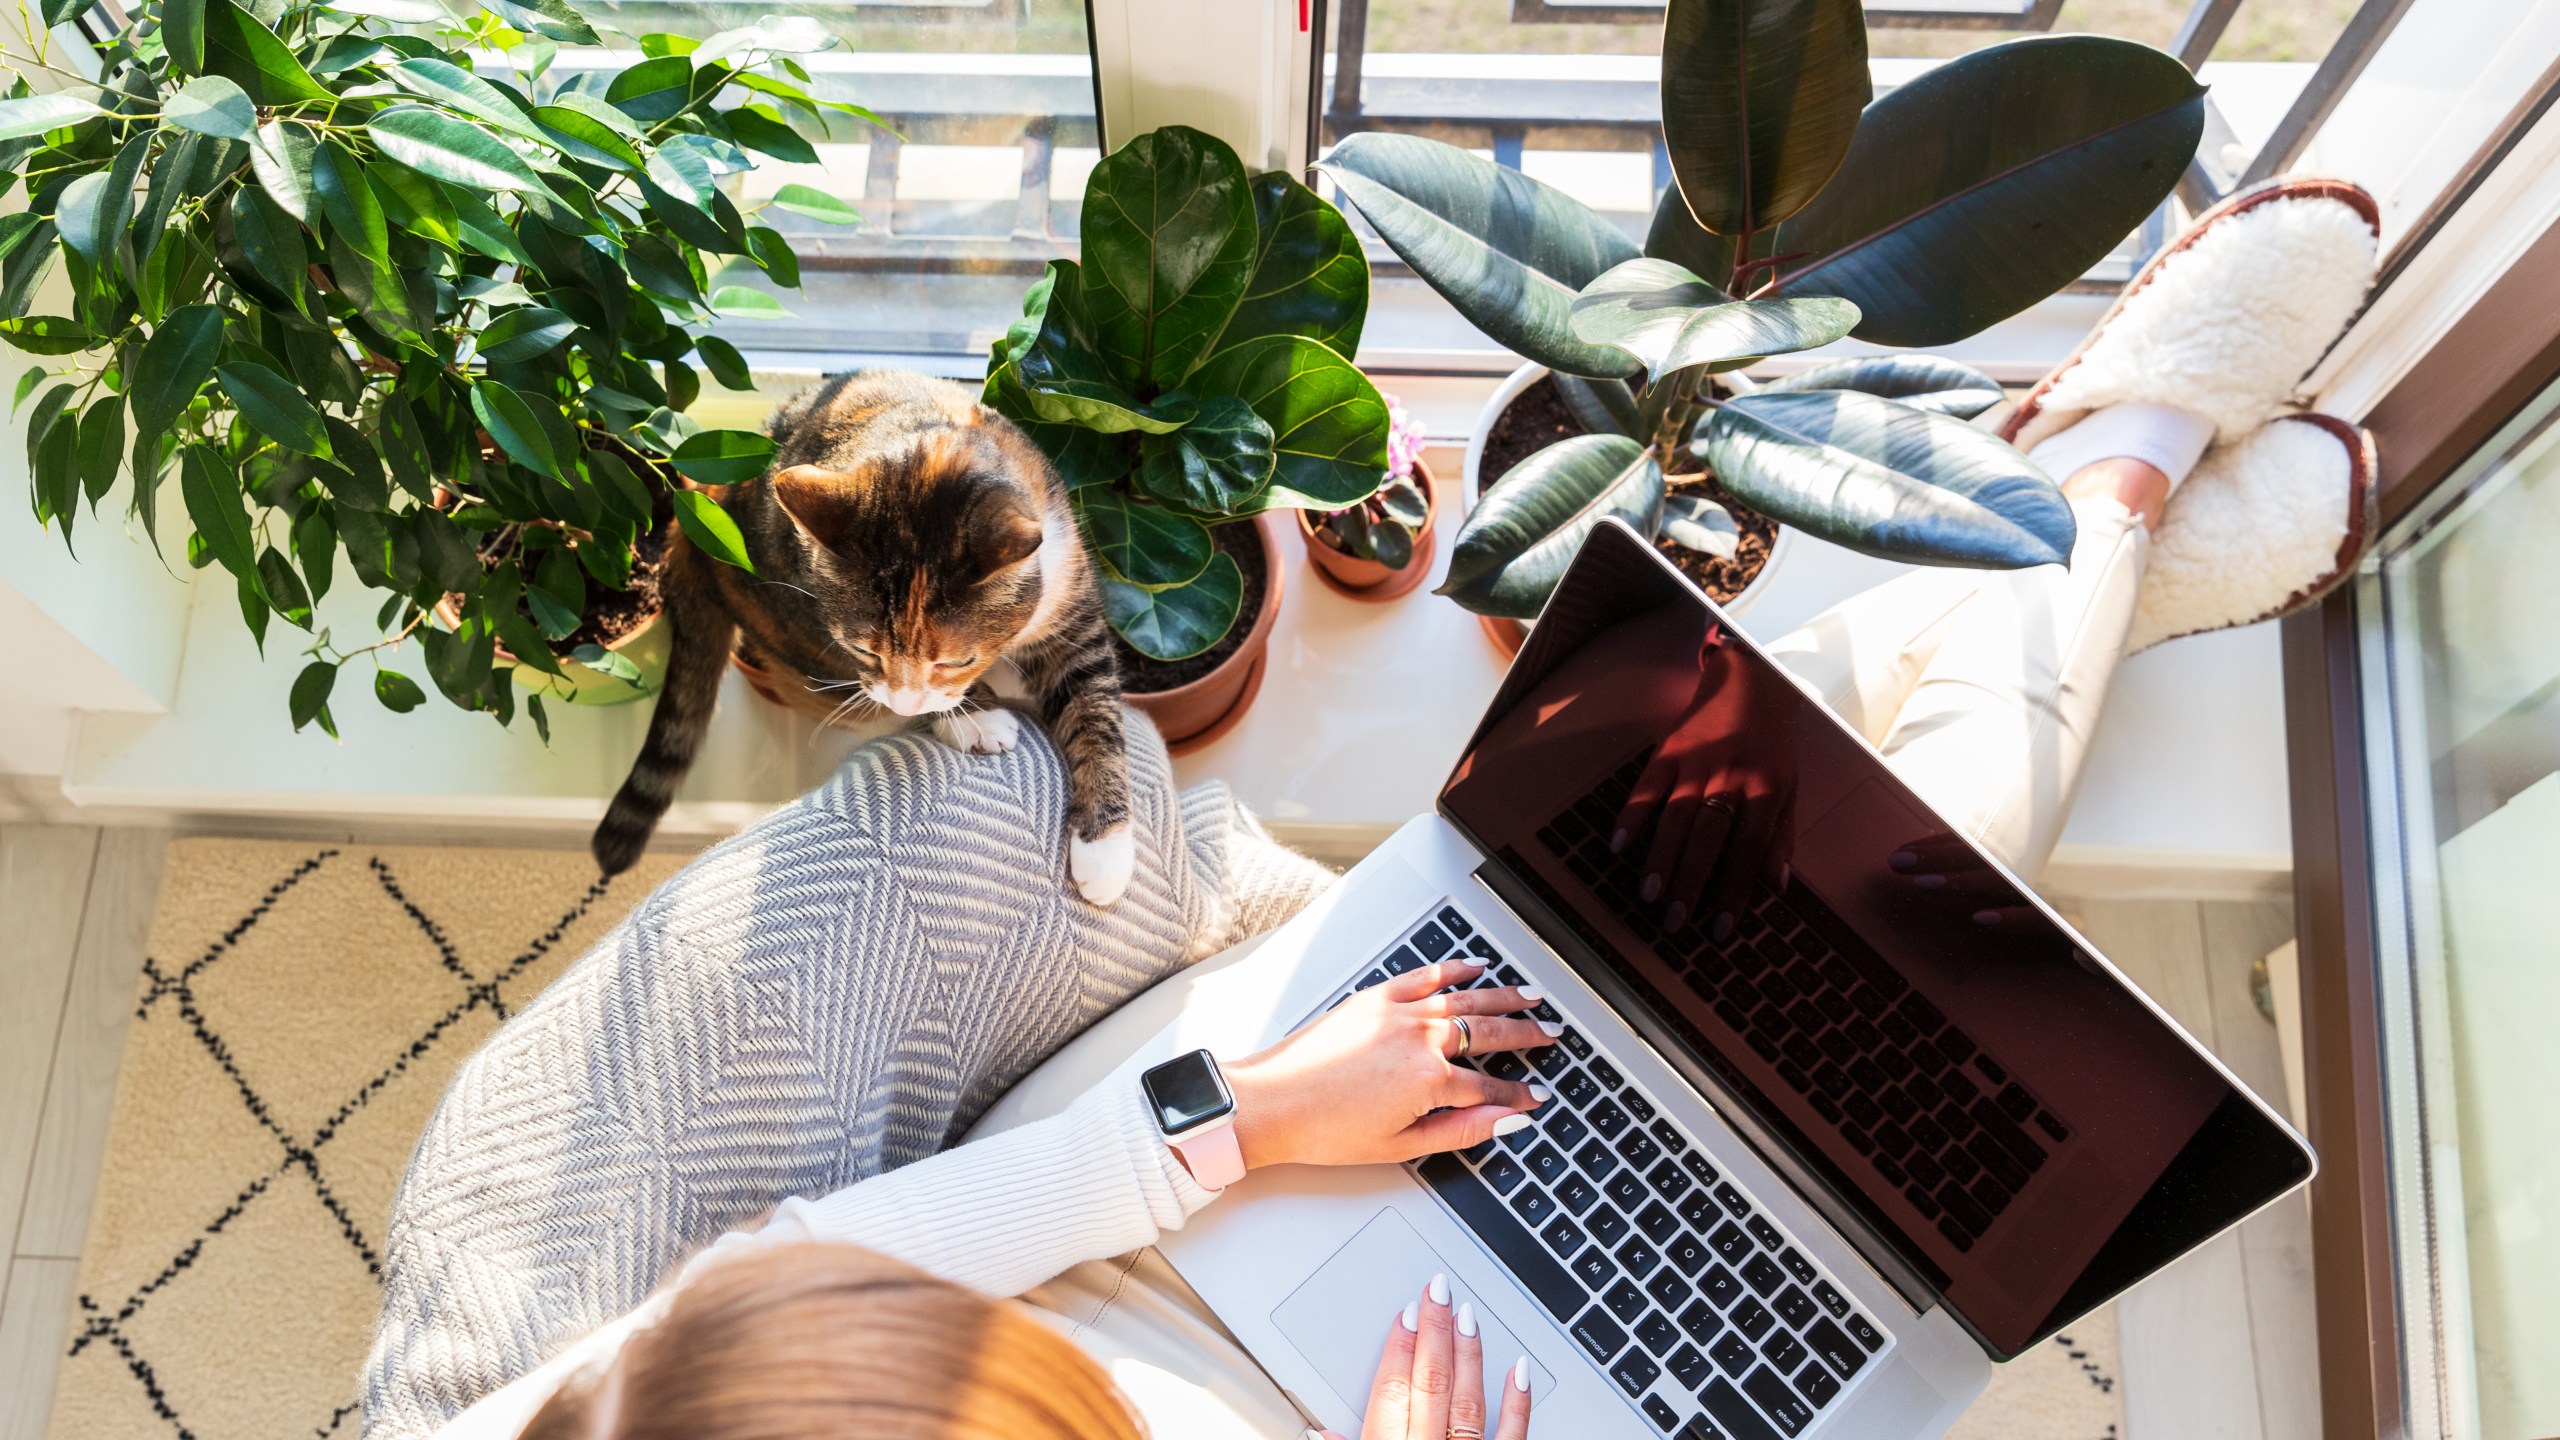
[(876, 1308)]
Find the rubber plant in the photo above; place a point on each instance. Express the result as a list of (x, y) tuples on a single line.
[(1191, 371), (395, 304), (1802, 211)]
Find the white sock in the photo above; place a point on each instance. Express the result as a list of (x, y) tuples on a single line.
[(2164, 437)]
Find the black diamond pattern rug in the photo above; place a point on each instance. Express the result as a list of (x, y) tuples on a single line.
[(300, 1009)]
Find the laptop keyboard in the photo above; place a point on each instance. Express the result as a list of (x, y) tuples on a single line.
[(1934, 1114), (1711, 1321)]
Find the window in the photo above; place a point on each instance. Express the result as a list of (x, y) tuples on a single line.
[(2461, 664)]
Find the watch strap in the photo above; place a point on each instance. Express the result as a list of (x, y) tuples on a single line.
[(1211, 1154)]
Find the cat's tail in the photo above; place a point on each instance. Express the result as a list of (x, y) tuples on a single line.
[(703, 633)]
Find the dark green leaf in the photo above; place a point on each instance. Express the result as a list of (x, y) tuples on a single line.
[(1310, 276), (213, 105), (182, 34), (621, 490), (398, 693), (758, 129), (607, 662), (551, 19), (271, 242), (724, 362), (711, 530), (541, 717), (1506, 250), (174, 364), (101, 447), (458, 89), (238, 45), (1885, 479), (1991, 181), (1168, 246), (652, 90), (1214, 464), (581, 136), (1180, 622), (560, 582), (697, 224), (404, 448), (315, 549), (1145, 545), (57, 472), (1694, 522), (1676, 236), (416, 204), (47, 334), (1604, 407), (283, 588), (773, 254), (381, 549), (354, 213), (454, 151), (1328, 423), (815, 203), (253, 610), (1759, 101), (458, 661), (1672, 320), (213, 502), (445, 557), (35, 114), (92, 211), (1529, 524), (270, 402), (484, 232), (525, 333), (1923, 382), (282, 159), (723, 457), (512, 423), (1070, 378), (311, 695)]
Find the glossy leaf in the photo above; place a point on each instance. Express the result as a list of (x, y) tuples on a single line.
[(815, 203), (653, 90), (1529, 524), (1214, 464), (524, 333), (746, 302), (35, 114), (315, 549), (101, 447), (1923, 382), (1180, 622), (174, 364), (182, 34), (1885, 479), (1676, 236), (1991, 181), (1068, 377), (271, 241), (509, 419), (413, 203), (758, 130), (240, 46), (1328, 423), (213, 501), (1759, 101), (723, 457), (92, 212), (711, 530), (581, 136), (1602, 407), (354, 213), (398, 693), (283, 588), (724, 362), (213, 105), (773, 255), (1509, 252), (1145, 545), (282, 161), (275, 406), (552, 19), (1694, 522), (47, 334), (310, 696), (453, 151), (1168, 241), (1672, 320), (1310, 276), (455, 88)]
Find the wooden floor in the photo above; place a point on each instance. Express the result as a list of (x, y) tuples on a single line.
[(2219, 1347)]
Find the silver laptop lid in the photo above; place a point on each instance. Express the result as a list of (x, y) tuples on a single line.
[(1985, 1106)]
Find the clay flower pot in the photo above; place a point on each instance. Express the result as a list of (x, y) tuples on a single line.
[(1195, 713), (1368, 579)]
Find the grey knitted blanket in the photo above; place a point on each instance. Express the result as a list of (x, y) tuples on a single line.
[(836, 991)]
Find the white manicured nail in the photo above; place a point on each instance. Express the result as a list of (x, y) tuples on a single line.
[(1533, 993), (1467, 1319), (1541, 1094), (1520, 1375), (1551, 1028), (1412, 1318), (1510, 1125), (1438, 1290)]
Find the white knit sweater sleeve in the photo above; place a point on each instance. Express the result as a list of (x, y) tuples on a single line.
[(1000, 1214)]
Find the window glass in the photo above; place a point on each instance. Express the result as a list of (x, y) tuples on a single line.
[(2463, 693)]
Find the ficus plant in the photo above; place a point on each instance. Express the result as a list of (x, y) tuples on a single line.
[(1803, 211), (1193, 370), (395, 303)]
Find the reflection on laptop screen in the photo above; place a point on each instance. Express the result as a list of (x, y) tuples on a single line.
[(2025, 1131)]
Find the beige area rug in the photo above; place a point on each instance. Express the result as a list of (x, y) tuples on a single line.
[(299, 1013), (300, 1009)]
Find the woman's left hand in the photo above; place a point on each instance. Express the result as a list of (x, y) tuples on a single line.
[(1370, 1080)]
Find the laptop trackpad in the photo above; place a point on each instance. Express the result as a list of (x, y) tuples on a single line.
[(1338, 1319)]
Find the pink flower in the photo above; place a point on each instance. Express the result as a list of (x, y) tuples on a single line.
[(1404, 440)]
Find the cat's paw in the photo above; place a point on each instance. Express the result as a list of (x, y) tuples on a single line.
[(978, 732), (1103, 867)]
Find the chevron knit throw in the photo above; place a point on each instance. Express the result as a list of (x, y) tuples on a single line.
[(834, 992)]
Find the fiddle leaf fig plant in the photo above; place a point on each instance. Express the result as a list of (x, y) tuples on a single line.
[(396, 305), (1802, 211), (1193, 370)]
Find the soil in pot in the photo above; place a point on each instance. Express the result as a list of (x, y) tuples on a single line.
[(1145, 675), (613, 616), (1539, 419)]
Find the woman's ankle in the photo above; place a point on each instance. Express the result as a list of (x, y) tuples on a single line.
[(2138, 485)]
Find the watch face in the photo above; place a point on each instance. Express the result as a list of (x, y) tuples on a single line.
[(1187, 1092)]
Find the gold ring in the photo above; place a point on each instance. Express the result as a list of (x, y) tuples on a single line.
[(1466, 1047)]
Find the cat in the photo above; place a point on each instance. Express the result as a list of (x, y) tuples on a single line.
[(905, 540)]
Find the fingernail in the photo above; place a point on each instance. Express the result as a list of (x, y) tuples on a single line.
[(1541, 1093), (1438, 1290), (1723, 930), (1412, 1318), (1902, 859), (1986, 917), (1510, 1125), (1314, 1435), (1467, 1319), (1617, 840), (1928, 882), (1551, 1028), (1520, 1375), (1673, 915), (1532, 994), (1650, 890)]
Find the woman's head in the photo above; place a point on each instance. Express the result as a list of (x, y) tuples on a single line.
[(812, 1342)]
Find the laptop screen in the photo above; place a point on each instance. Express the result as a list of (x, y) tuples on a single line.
[(1922, 1038)]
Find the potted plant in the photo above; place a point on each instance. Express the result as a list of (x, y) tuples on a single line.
[(390, 304), (1381, 548), (1801, 213), (1190, 377)]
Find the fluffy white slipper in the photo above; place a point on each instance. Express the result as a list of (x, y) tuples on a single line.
[(2263, 527), (2227, 318)]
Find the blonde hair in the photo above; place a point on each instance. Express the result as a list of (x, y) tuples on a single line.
[(799, 1342)]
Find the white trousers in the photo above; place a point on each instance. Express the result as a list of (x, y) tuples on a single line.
[(1982, 687)]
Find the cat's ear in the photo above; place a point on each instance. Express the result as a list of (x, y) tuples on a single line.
[(821, 501), (1007, 537)]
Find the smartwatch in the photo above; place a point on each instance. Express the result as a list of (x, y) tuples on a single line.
[(1197, 1113)]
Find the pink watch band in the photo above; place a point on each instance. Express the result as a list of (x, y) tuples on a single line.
[(1212, 1155)]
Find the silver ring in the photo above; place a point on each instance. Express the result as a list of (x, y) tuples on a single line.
[(1465, 1432), (1466, 1038)]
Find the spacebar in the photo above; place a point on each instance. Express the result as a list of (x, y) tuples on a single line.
[(1507, 1238)]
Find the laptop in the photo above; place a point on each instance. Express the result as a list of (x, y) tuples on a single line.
[(1808, 1171)]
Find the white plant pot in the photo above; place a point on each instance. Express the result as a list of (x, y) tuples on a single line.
[(1511, 388)]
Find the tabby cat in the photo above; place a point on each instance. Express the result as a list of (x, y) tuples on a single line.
[(906, 540)]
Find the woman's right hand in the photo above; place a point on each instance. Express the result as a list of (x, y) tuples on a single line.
[(1370, 1081), (1430, 1383)]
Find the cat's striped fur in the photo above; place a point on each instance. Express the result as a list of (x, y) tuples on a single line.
[(905, 541)]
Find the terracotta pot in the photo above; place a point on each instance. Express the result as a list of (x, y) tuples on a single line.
[(1367, 579), (1193, 715)]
